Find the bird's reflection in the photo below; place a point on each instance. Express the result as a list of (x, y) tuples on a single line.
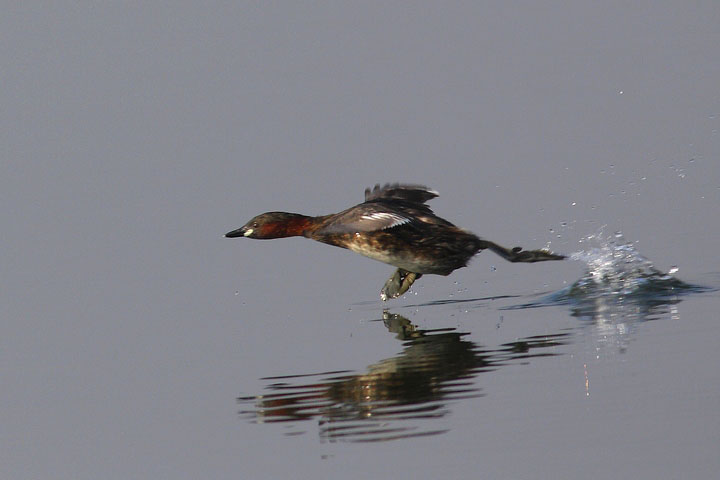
[(398, 397)]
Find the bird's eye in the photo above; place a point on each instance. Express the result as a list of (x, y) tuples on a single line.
[(255, 224)]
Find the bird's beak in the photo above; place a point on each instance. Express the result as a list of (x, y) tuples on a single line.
[(240, 232)]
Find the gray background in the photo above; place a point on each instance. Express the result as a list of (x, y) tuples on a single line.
[(133, 136)]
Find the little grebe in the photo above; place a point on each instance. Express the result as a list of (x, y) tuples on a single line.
[(394, 226)]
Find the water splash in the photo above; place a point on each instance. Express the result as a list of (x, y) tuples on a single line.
[(616, 268), (618, 282), (619, 290)]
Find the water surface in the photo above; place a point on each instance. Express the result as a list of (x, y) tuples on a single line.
[(137, 342)]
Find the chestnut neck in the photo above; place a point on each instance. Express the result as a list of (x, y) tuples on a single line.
[(290, 225)]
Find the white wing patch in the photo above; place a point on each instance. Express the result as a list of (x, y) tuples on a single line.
[(391, 219)]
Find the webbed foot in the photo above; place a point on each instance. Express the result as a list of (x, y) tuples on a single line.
[(398, 284), (517, 254)]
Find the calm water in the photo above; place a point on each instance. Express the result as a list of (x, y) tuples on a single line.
[(596, 375), (394, 398), (137, 343)]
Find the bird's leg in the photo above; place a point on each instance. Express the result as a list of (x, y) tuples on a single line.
[(398, 284), (517, 254)]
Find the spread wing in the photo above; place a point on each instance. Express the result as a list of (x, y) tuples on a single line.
[(386, 207), (372, 218), (416, 194)]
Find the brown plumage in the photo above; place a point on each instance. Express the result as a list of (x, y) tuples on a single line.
[(395, 226)]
